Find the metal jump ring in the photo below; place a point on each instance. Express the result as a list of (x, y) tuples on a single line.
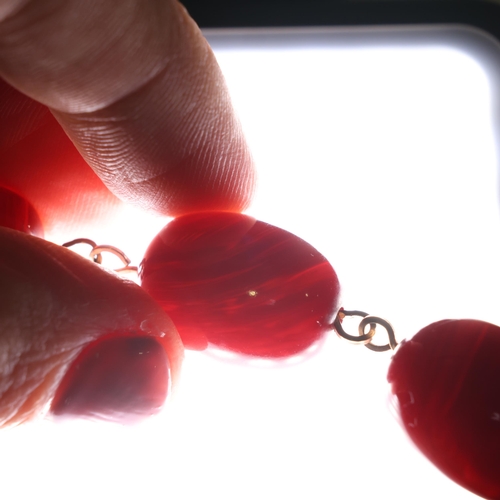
[(390, 332), (96, 258), (97, 251), (362, 338)]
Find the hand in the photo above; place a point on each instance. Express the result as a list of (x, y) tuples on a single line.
[(136, 88)]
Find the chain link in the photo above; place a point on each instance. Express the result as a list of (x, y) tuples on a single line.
[(96, 254), (363, 337)]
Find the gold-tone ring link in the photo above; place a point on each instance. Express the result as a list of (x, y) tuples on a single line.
[(362, 338), (85, 241), (99, 249), (390, 332)]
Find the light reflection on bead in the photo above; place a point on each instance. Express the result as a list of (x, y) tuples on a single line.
[(239, 284)]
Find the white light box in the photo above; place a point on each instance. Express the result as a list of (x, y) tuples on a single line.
[(378, 147)]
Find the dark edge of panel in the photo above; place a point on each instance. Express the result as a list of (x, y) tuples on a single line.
[(482, 14)]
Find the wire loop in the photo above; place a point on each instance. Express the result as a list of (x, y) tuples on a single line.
[(97, 250), (363, 337)]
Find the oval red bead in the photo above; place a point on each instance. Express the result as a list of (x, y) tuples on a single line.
[(239, 284), (447, 382), (17, 213)]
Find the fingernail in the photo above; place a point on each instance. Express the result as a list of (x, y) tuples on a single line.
[(118, 378)]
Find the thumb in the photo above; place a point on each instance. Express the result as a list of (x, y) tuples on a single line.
[(76, 339)]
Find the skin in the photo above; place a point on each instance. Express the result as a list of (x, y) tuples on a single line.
[(137, 89)]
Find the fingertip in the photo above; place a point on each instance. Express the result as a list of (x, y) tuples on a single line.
[(120, 378), (141, 96), (55, 305)]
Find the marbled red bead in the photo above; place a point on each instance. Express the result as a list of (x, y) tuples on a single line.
[(233, 282), (447, 382), (17, 213)]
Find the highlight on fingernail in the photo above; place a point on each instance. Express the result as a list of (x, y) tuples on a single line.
[(122, 378)]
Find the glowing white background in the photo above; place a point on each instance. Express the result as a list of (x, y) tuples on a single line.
[(384, 158)]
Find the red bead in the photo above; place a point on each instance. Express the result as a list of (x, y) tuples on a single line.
[(447, 382), (231, 281), (17, 213)]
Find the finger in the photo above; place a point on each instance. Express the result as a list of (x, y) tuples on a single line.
[(39, 162), (138, 90), (78, 339)]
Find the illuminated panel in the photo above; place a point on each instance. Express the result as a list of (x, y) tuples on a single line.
[(379, 149)]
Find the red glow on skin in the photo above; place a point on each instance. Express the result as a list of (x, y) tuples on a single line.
[(17, 213), (41, 164)]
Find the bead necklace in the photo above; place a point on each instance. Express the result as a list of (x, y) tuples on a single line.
[(241, 285), (368, 330)]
